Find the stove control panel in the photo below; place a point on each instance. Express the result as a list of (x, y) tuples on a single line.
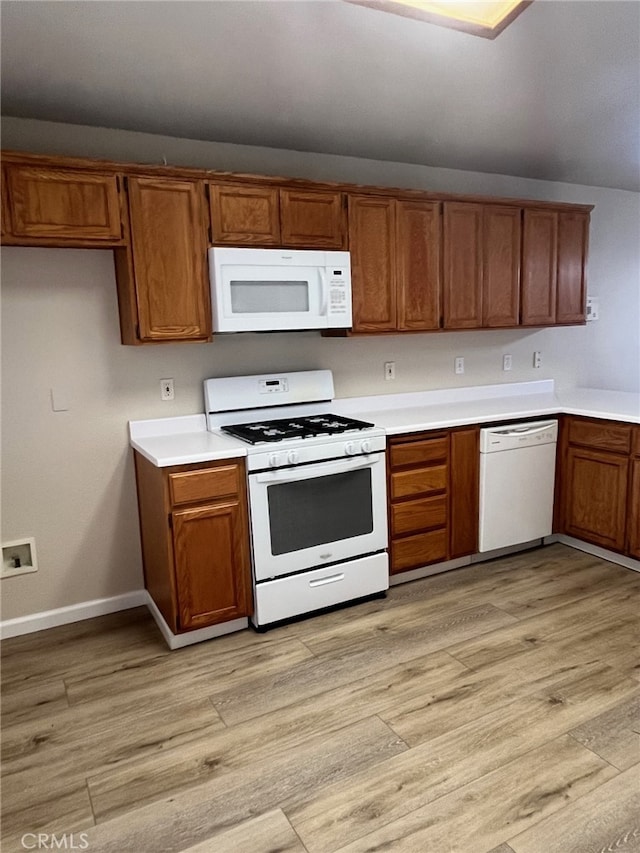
[(309, 451)]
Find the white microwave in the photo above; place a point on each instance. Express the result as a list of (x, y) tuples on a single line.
[(269, 290)]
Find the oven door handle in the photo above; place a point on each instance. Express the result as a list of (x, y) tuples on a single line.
[(322, 469)]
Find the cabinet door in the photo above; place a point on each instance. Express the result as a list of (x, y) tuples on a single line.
[(465, 492), (373, 263), (539, 267), (501, 266), (418, 246), (63, 204), (633, 533), (573, 236), (312, 219), (596, 495), (169, 264), (211, 564), (462, 285), (244, 214)]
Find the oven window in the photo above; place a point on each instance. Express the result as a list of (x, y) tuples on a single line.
[(269, 297), (313, 512)]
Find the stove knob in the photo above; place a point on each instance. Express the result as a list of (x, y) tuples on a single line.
[(292, 457), (366, 446), (350, 449), (274, 459)]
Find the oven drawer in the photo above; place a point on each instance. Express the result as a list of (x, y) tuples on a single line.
[(285, 598)]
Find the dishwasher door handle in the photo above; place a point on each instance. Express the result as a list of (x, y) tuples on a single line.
[(522, 430)]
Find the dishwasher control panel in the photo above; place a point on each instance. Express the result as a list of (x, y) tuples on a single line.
[(513, 436)]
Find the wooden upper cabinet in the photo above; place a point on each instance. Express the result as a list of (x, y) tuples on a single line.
[(59, 204), (372, 242), (539, 267), (573, 238), (245, 214), (418, 230), (312, 219), (462, 275), (501, 266), (5, 219), (168, 271)]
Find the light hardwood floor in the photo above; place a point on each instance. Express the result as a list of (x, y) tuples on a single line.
[(493, 708)]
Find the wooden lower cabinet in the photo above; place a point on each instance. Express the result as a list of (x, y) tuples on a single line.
[(195, 541), (599, 484), (433, 497)]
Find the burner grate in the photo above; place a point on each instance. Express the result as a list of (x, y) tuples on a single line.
[(263, 432)]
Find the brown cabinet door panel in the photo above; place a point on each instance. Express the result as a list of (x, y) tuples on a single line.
[(596, 497), (420, 550), (418, 452), (169, 248), (633, 544), (573, 236), (464, 492), (418, 227), (65, 204), (242, 214), (372, 243), (539, 272), (462, 273), (420, 481), (421, 514), (501, 266), (312, 219), (211, 565)]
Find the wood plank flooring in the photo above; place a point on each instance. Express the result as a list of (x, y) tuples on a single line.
[(491, 709)]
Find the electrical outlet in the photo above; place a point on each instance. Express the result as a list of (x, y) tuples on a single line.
[(389, 370), (593, 309), (166, 389), (537, 359), (506, 362), (459, 364)]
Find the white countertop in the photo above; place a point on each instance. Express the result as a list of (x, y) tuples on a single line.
[(181, 441), (184, 440)]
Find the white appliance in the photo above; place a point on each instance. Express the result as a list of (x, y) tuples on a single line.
[(317, 492), (267, 290), (517, 477)]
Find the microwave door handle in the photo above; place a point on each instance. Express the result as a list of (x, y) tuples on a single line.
[(324, 292)]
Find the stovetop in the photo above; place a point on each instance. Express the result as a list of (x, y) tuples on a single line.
[(281, 429)]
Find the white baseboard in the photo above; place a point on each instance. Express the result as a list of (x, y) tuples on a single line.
[(140, 597), (73, 613), (596, 550), (179, 641)]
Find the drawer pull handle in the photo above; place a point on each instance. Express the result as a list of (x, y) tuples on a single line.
[(330, 579)]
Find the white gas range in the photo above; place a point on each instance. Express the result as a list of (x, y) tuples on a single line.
[(317, 491)]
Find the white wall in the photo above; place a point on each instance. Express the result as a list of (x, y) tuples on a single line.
[(67, 477)]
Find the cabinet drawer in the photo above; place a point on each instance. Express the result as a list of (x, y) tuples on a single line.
[(417, 452), (421, 481), (425, 513), (191, 486), (601, 435), (415, 551)]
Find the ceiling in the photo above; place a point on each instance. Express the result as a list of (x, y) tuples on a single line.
[(556, 96)]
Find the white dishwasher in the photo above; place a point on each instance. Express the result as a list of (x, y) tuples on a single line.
[(517, 477)]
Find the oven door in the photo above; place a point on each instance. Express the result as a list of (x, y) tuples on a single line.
[(314, 515)]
